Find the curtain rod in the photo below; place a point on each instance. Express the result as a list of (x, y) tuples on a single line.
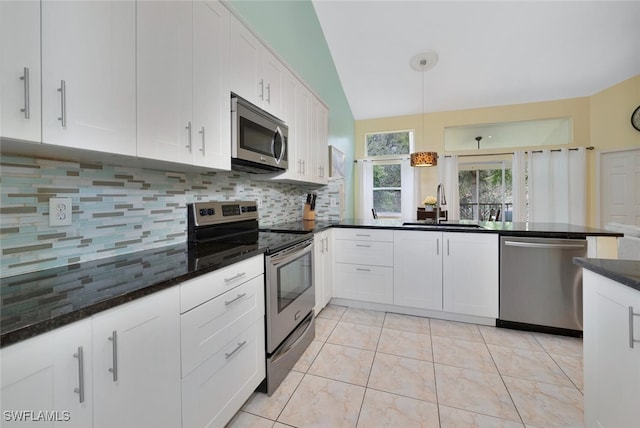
[(382, 159), (510, 153)]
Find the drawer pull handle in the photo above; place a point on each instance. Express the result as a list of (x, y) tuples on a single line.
[(114, 370), (230, 354), (363, 270), (80, 389), (359, 234), (632, 314), (240, 296), (63, 103), (362, 245), (233, 278)]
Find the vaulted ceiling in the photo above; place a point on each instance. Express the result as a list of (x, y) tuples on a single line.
[(490, 53)]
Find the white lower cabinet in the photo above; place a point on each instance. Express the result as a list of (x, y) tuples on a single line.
[(43, 374), (223, 350), (611, 363), (323, 265), (364, 265), (470, 274), (136, 369), (417, 269), (130, 360)]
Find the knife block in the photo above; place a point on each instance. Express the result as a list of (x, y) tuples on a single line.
[(307, 214)]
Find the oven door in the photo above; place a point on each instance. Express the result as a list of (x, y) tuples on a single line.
[(290, 291)]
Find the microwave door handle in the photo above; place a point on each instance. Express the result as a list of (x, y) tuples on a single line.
[(273, 145)]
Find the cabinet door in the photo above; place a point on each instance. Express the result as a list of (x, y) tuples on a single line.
[(273, 73), (318, 142), (611, 365), (470, 274), (323, 269), (211, 90), (43, 374), (323, 144), (20, 70), (137, 363), (246, 58), (417, 269), (88, 75), (303, 130), (164, 80)]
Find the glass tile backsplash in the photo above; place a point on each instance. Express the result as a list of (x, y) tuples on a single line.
[(120, 210)]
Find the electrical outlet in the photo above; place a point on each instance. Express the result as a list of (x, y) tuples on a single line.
[(333, 202), (259, 201), (60, 211)]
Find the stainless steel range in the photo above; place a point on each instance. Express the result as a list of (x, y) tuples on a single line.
[(218, 227)]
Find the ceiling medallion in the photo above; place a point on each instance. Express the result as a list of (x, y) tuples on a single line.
[(424, 61)]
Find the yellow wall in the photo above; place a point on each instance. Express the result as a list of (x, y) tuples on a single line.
[(601, 120)]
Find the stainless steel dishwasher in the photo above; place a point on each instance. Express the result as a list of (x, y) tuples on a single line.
[(540, 287)]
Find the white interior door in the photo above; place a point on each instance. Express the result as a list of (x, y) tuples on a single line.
[(620, 187)]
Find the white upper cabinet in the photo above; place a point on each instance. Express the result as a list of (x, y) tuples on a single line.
[(164, 80), (258, 76), (183, 83), (211, 90), (318, 148), (20, 104), (88, 75)]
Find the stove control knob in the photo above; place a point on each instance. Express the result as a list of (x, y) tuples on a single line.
[(210, 211), (203, 212)]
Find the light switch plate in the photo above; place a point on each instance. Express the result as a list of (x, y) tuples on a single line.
[(60, 211)]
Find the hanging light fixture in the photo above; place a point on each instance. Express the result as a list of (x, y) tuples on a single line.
[(423, 62)]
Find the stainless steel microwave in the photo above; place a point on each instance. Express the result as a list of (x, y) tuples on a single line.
[(258, 139)]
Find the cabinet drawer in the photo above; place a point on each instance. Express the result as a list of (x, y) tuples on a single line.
[(214, 392), (365, 234), (198, 290), (365, 283), (373, 253), (208, 327)]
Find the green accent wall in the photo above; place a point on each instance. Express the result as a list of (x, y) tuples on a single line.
[(293, 30)]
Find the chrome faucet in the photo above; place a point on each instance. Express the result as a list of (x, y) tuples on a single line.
[(440, 200)]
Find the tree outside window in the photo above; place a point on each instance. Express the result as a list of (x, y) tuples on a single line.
[(485, 192)]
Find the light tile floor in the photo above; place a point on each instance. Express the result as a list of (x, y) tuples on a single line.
[(375, 369)]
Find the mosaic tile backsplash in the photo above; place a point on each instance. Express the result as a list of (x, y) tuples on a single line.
[(119, 210)]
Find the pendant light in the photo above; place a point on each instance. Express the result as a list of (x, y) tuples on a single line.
[(423, 62)]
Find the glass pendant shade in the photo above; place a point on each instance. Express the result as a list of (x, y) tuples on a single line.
[(424, 159)]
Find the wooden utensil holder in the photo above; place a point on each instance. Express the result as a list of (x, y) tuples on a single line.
[(307, 214)]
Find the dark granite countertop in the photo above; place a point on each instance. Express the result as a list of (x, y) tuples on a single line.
[(543, 230), (37, 302), (626, 272)]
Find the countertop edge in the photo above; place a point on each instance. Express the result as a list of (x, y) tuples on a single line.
[(35, 329), (613, 269)]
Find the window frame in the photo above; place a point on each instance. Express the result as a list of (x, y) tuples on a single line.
[(486, 165)]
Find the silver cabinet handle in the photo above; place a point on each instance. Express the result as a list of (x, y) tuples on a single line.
[(269, 93), (202, 149), (303, 168), (25, 78), (632, 314), (63, 103), (362, 245), (359, 234), (236, 276), (230, 354), (261, 89), (188, 128), (114, 369), (240, 296), (448, 248), (80, 389), (363, 270), (438, 246)]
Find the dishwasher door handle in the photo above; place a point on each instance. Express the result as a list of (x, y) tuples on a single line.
[(539, 245)]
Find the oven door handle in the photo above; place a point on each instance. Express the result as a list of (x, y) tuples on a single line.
[(293, 254), (292, 341)]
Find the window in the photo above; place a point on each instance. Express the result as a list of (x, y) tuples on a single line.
[(485, 191), (390, 179)]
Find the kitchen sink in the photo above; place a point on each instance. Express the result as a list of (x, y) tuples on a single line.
[(440, 226)]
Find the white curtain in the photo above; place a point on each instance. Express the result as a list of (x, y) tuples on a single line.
[(557, 186), (364, 201), (448, 176), (408, 194), (518, 175)]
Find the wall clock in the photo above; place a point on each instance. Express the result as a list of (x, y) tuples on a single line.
[(635, 119)]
